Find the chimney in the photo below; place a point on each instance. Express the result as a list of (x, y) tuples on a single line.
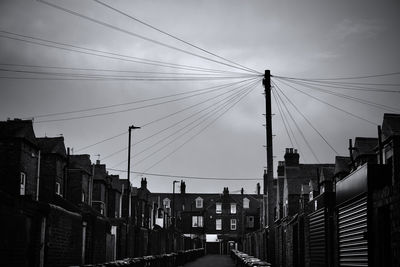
[(258, 188), (226, 191), (98, 162), (281, 169), (143, 183), (291, 157), (183, 187), (242, 191)]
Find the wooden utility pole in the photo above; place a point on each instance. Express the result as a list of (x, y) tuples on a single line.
[(269, 197), (268, 179)]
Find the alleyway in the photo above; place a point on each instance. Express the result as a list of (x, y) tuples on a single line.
[(212, 260)]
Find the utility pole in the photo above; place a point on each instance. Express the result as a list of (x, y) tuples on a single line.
[(129, 188), (268, 180), (269, 197)]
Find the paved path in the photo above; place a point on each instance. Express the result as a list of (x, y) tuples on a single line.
[(212, 261)]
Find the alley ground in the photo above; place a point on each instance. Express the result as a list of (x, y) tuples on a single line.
[(212, 260)]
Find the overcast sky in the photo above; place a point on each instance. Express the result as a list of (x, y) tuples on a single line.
[(303, 39)]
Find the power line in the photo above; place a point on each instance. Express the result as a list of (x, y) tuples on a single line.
[(104, 54), (137, 35), (281, 110), (283, 118), (298, 127), (204, 117), (333, 106), (120, 111), (162, 118), (208, 89), (171, 114), (344, 87), (88, 77), (202, 130), (355, 99), (172, 36), (306, 119), (343, 78), (110, 70), (187, 177)]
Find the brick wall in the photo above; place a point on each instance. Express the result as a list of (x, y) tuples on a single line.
[(64, 238)]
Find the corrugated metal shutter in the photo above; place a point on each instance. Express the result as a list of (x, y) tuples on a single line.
[(317, 238), (353, 245)]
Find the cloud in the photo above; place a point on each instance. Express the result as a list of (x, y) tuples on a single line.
[(361, 28)]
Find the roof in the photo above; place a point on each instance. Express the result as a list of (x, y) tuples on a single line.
[(342, 165), (52, 145), (18, 129), (364, 146), (390, 125)]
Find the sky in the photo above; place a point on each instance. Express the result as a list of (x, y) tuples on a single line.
[(300, 39)]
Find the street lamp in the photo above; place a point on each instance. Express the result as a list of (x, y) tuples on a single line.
[(129, 168), (129, 189)]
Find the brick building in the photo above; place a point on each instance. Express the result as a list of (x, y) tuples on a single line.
[(218, 220), (19, 158), (53, 168)]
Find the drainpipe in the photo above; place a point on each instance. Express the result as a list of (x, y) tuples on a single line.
[(38, 177)]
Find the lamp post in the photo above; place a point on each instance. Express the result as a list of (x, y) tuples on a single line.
[(129, 188)]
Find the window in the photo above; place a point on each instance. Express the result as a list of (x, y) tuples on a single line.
[(167, 203), (233, 224), (199, 203), (58, 188), (250, 221), (246, 203), (197, 221), (218, 208), (218, 224), (233, 208), (22, 182)]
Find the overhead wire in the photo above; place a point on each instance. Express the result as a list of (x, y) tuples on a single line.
[(349, 97), (172, 36), (283, 118), (186, 176), (170, 114), (97, 77), (204, 117), (103, 54), (344, 78), (345, 87), (307, 120), (174, 113), (202, 130), (283, 115), (196, 123), (329, 104), (298, 127), (216, 106), (120, 111), (137, 35), (112, 70)]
